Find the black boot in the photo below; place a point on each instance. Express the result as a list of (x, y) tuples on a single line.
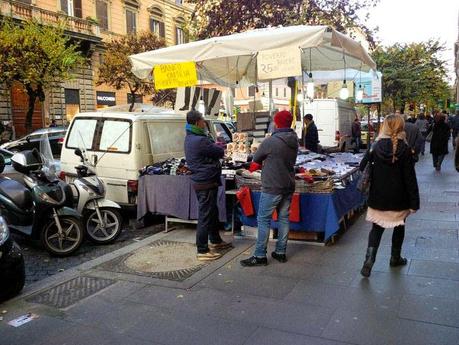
[(396, 258), (370, 258)]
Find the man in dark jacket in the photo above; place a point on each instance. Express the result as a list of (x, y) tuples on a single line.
[(414, 139), (310, 138), (203, 158), (357, 134), (278, 156)]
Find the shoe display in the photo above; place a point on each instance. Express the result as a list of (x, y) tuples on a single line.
[(279, 257), (209, 256), (254, 261), (220, 246)]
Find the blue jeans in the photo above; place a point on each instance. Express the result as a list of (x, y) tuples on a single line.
[(268, 203)]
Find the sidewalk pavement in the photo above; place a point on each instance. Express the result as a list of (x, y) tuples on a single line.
[(318, 297)]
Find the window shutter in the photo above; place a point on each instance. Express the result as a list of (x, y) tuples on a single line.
[(77, 9), (162, 30)]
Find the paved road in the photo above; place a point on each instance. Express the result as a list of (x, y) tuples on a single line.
[(318, 297)]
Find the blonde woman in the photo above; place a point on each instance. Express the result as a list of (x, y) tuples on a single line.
[(394, 193)]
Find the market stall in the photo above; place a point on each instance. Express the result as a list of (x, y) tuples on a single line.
[(326, 184), (325, 200)]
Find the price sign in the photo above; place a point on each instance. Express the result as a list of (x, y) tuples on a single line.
[(240, 157), (171, 76), (279, 63)]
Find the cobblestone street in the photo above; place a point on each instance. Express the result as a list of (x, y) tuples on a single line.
[(39, 264)]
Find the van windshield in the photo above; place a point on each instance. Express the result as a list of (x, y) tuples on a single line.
[(82, 134)]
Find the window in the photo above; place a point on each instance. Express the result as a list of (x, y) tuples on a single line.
[(285, 92), (178, 2), (102, 14), (277, 92), (179, 33), (72, 8), (81, 134), (115, 136), (252, 90), (138, 98), (131, 21), (157, 22), (161, 146), (222, 133)]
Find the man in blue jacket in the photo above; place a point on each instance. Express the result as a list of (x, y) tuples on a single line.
[(203, 159)]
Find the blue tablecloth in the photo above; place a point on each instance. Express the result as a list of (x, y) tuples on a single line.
[(174, 196), (319, 212)]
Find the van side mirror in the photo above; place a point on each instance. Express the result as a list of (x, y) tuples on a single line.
[(27, 139), (78, 153)]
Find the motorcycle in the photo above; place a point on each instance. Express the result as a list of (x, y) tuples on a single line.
[(38, 208), (102, 217)]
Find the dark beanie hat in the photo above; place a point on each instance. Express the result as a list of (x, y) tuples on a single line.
[(283, 119)]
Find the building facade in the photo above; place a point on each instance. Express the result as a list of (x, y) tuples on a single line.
[(91, 23)]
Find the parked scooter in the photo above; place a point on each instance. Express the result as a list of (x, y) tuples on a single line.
[(38, 209), (102, 217)]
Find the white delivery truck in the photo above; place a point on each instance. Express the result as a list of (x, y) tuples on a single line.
[(121, 143), (333, 118)]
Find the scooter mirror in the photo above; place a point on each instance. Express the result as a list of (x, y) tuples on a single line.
[(2, 163)]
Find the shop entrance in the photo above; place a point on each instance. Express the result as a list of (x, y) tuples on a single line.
[(19, 106)]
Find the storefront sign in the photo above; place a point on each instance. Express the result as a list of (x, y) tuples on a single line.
[(372, 89), (279, 63), (105, 98), (170, 76)]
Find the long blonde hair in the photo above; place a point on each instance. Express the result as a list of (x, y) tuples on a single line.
[(392, 127)]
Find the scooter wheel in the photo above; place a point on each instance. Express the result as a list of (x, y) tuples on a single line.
[(67, 243), (113, 225)]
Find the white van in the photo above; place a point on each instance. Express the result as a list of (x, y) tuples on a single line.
[(121, 143), (333, 118)]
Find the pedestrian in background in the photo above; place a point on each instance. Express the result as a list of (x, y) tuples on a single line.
[(414, 139), (203, 158), (393, 194), (357, 134), (278, 156), (310, 135), (422, 125), (454, 124), (439, 143)]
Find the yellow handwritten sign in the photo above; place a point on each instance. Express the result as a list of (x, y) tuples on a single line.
[(170, 76), (279, 63)]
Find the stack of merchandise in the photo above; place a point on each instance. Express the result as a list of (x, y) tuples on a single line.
[(240, 144), (171, 166)]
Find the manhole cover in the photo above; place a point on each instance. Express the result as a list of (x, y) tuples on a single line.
[(160, 259), (70, 292)]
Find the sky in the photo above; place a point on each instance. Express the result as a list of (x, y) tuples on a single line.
[(418, 20)]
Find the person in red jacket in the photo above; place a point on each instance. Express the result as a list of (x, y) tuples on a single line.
[(278, 156)]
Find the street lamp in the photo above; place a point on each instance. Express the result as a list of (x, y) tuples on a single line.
[(344, 92)]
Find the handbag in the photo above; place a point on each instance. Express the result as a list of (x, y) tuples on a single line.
[(363, 185), (429, 137)]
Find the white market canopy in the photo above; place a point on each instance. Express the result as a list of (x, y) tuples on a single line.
[(231, 60)]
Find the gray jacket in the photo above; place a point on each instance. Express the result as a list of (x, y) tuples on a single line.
[(414, 138), (278, 155)]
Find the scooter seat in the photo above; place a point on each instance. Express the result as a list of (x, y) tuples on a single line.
[(18, 193)]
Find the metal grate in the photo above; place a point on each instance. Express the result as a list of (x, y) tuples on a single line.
[(118, 265), (70, 292)]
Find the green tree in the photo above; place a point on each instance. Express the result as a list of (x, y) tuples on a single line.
[(213, 18), (412, 73), (116, 68), (38, 56)]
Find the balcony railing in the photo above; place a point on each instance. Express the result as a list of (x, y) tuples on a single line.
[(23, 11)]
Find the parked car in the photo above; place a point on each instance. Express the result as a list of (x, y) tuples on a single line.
[(12, 271), (121, 143), (32, 141)]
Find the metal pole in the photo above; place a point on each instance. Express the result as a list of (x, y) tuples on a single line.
[(369, 128), (270, 86)]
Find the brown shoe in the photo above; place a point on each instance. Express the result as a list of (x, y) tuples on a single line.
[(209, 256), (220, 246)]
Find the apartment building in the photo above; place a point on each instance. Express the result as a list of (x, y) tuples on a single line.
[(91, 23)]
